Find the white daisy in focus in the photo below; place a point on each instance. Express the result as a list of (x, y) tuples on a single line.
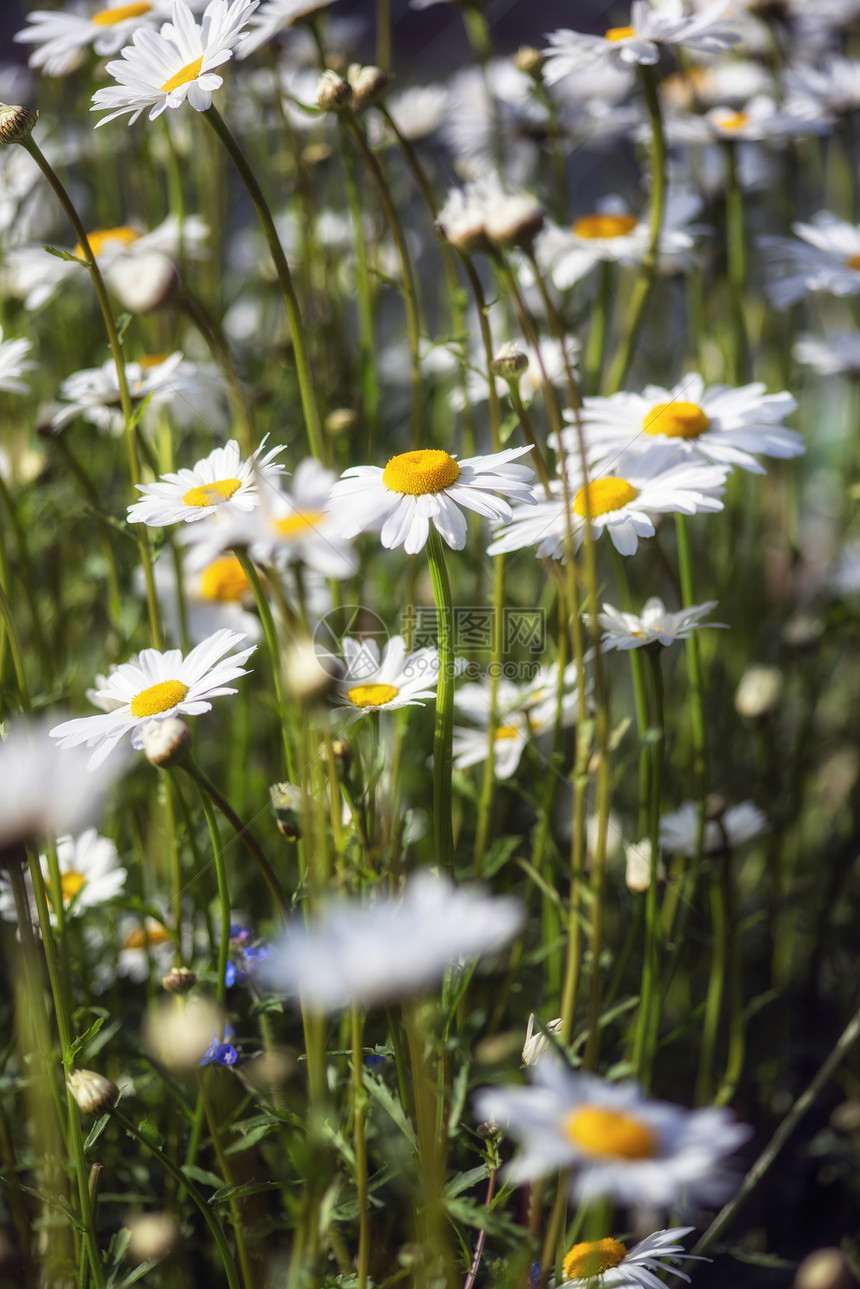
[(273, 17), (189, 391), (617, 1143), (44, 792), (652, 23), (716, 423), (655, 625), (729, 828), (389, 947), (428, 486), (838, 353), (175, 65), (824, 256), (620, 503), (14, 362), (60, 37), (373, 683), (222, 481), (90, 874), (153, 686), (608, 1262)]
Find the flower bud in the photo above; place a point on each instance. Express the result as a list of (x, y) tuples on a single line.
[(368, 84), (340, 420), (167, 742), (824, 1269), (152, 1236), (509, 362), (340, 750), (529, 60), (179, 1032), (16, 123), (179, 980), (93, 1092), (515, 220), (333, 92), (759, 692)]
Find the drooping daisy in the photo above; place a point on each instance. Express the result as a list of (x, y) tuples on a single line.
[(371, 683), (429, 486), (59, 38), (220, 482), (824, 256), (652, 23), (153, 686), (165, 69), (188, 390), (617, 1143), (13, 363), (729, 427), (609, 1264), (90, 874), (655, 625), (725, 829), (619, 501), (391, 947)]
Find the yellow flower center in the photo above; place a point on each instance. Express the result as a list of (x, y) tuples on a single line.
[(594, 226), (676, 420), (506, 732), (584, 1261), (158, 698), (189, 72), (154, 934), (372, 695), (733, 121), (224, 580), (99, 238), (212, 494), (70, 884), (620, 33), (417, 473), (603, 495), (603, 1132), (299, 523), (853, 262), (107, 17), (151, 360)]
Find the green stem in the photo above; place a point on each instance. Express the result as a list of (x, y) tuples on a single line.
[(444, 728), (596, 345), (364, 294), (485, 802), (223, 893), (226, 1173), (736, 262), (282, 268), (359, 1097), (648, 1018), (267, 622), (714, 1001)]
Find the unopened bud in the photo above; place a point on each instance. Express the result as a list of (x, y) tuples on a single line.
[(334, 93), (167, 742), (640, 867), (368, 84), (16, 123), (529, 60), (93, 1092), (509, 362), (824, 1269), (152, 1236), (340, 420), (759, 692), (514, 220), (179, 1032), (306, 679), (179, 980)]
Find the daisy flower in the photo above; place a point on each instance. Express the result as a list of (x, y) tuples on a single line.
[(484, 212), (652, 23), (191, 391), (610, 1263), (165, 68), (217, 594), (825, 256), (734, 825), (220, 482), (145, 946), (153, 686), (718, 424), (762, 118), (390, 947), (522, 712), (537, 1041), (839, 352), (470, 746), (90, 874), (276, 16), (619, 502), (371, 683), (13, 363), (654, 625), (617, 1143), (60, 38), (417, 488)]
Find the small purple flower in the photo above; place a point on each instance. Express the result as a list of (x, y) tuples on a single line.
[(244, 955), (221, 1051)]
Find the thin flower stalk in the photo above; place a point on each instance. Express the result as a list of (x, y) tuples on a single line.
[(648, 1017), (737, 266), (444, 726), (364, 292), (359, 1100)]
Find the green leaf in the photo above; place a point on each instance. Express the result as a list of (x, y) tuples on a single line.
[(203, 1176), (392, 1107), (234, 1192), (149, 1133), (65, 255), (458, 1099), (465, 1181), (82, 1040), (95, 1132), (138, 1273), (252, 1136)]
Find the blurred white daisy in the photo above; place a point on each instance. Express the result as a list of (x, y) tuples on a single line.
[(824, 256), (730, 827), (484, 212), (652, 23), (90, 874), (832, 87), (763, 118), (522, 712), (428, 486), (716, 423), (510, 737), (191, 392), (164, 69), (620, 503), (153, 686), (419, 111), (655, 625), (845, 574), (222, 481), (14, 362), (609, 1264), (273, 17), (617, 1143), (373, 683), (537, 1039), (216, 594), (59, 37), (389, 947), (838, 352), (146, 945)]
